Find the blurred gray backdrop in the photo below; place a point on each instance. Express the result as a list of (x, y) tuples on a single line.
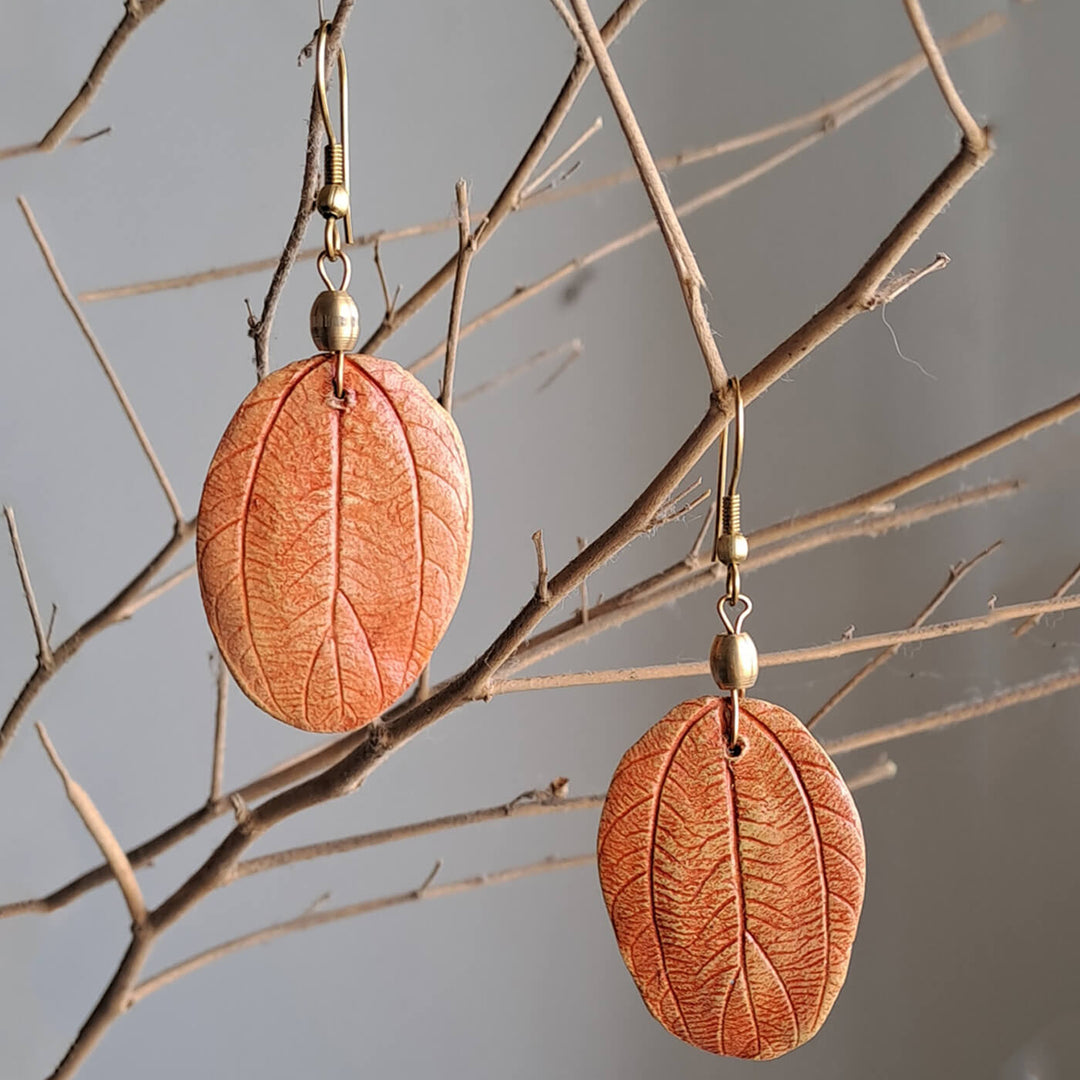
[(968, 959)]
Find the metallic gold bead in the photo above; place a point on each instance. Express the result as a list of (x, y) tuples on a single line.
[(332, 201), (335, 322), (733, 660), (732, 548)]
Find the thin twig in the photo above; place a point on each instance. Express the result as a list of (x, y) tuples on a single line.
[(572, 349), (583, 588), (900, 284), (259, 329), (151, 595), (957, 574), (822, 117), (974, 135), (571, 24), (45, 656), (103, 360), (882, 769), (389, 302), (956, 714), (509, 197), (102, 834), (691, 280), (1061, 590), (35, 147), (426, 891), (466, 250), (541, 567), (114, 611), (135, 11), (529, 804), (217, 769), (683, 578), (829, 651), (535, 185)]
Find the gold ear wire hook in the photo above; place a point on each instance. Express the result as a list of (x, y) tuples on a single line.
[(729, 543), (335, 204)]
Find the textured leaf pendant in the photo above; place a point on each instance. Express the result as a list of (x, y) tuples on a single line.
[(734, 883), (333, 539)]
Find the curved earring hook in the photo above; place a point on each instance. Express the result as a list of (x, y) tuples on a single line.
[(731, 494), (343, 108)]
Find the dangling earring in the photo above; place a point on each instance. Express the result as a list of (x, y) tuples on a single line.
[(336, 516), (730, 851)]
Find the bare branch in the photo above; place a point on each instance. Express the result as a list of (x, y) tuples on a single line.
[(118, 608), (509, 197), (684, 578), (365, 907), (1061, 590), (883, 769), (389, 302), (259, 330), (824, 117), (45, 656), (466, 249), (529, 804), (151, 595), (135, 11), (102, 834), (541, 566), (687, 270), (103, 360), (571, 24), (829, 651), (957, 574), (217, 771), (956, 714), (535, 185), (35, 147), (572, 349), (974, 135), (900, 284)]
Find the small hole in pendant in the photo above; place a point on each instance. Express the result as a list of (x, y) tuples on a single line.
[(346, 401), (735, 752)]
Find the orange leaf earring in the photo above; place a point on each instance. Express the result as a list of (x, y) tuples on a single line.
[(730, 851), (336, 516)]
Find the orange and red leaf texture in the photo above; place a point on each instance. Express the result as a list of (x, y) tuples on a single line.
[(333, 539), (734, 884)]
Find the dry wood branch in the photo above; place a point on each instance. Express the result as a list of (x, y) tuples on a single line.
[(883, 769), (1061, 590), (541, 566), (259, 329), (45, 657), (135, 11), (389, 302), (900, 284), (823, 117), (957, 574), (829, 651), (118, 608), (35, 147), (528, 804), (569, 351), (103, 360), (686, 577), (102, 834), (957, 714), (536, 184), (466, 249), (973, 133), (217, 769), (691, 280), (151, 595), (426, 891), (508, 198)]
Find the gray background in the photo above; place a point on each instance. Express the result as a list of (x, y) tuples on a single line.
[(967, 959)]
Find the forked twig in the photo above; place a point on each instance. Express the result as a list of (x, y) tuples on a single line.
[(45, 656)]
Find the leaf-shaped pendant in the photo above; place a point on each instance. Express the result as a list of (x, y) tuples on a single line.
[(333, 539), (734, 884)]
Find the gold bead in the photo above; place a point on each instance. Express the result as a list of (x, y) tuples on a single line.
[(335, 322), (332, 201), (732, 548), (733, 660)]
